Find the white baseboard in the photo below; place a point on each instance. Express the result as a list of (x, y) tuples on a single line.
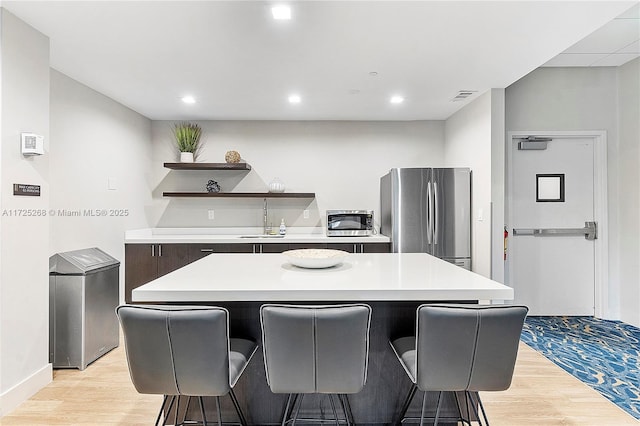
[(12, 398)]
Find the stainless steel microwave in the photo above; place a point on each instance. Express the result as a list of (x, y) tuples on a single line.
[(349, 223)]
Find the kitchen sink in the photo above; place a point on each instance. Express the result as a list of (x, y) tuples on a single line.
[(261, 236)]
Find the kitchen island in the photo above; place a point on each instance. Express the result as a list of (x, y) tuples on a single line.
[(153, 252), (393, 284)]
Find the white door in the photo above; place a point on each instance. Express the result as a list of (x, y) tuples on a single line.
[(552, 264)]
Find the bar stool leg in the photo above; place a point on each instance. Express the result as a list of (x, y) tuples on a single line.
[(175, 416), (484, 414), (286, 411), (475, 410), (243, 420), (164, 401), (173, 398), (219, 411), (295, 415), (333, 408), (346, 409), (405, 405), (462, 419), (204, 417), (435, 422), (424, 403)]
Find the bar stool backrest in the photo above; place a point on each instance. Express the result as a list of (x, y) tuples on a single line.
[(177, 350), (467, 347), (316, 349)]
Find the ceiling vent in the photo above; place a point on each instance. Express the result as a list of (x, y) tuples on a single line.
[(463, 94)]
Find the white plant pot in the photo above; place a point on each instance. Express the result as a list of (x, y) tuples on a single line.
[(186, 157)]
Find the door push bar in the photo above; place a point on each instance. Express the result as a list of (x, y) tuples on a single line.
[(590, 231)]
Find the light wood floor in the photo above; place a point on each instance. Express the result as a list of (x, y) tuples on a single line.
[(541, 394)]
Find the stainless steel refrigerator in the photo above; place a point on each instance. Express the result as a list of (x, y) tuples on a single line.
[(428, 210)]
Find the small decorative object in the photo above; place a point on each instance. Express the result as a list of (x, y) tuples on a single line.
[(187, 136), (213, 186), (283, 227), (276, 185), (232, 157)]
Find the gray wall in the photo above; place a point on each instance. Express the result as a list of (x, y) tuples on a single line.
[(341, 162), (93, 140), (628, 174), (24, 250), (571, 99)]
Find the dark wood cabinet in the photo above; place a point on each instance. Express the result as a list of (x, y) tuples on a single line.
[(376, 248), (198, 251), (360, 247), (146, 262)]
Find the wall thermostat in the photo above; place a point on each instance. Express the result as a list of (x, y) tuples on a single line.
[(32, 144)]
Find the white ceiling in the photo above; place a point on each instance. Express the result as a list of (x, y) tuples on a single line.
[(612, 45), (241, 64)]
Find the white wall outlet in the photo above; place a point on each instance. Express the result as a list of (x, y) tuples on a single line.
[(112, 184), (211, 214), (305, 214)]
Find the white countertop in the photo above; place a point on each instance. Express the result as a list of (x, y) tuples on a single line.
[(234, 235), (362, 277)]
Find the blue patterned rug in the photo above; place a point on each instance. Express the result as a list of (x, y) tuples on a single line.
[(603, 354)]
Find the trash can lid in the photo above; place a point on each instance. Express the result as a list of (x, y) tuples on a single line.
[(80, 261)]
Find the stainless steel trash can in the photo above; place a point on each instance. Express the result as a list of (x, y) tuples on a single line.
[(83, 295)]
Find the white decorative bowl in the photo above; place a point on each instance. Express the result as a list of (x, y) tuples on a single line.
[(315, 258)]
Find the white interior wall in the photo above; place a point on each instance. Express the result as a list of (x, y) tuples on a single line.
[(468, 144), (94, 140), (24, 265), (628, 172), (570, 99), (341, 162), (498, 194)]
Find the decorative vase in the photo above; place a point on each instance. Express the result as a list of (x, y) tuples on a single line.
[(232, 157), (276, 185), (186, 157), (213, 186)]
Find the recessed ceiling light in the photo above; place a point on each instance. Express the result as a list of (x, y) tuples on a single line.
[(294, 99), (188, 99), (373, 73), (396, 99), (281, 12)]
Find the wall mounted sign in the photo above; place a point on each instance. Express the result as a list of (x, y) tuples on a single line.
[(25, 189), (550, 188)]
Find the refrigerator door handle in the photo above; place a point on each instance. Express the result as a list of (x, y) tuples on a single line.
[(429, 213), (436, 227)]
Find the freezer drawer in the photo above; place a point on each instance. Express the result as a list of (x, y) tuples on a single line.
[(463, 263)]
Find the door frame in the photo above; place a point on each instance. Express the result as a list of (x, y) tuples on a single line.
[(601, 214)]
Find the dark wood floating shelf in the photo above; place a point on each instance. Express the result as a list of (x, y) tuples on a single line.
[(241, 194), (207, 166)]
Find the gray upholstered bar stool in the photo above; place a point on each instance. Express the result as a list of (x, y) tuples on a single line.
[(316, 350), (460, 348), (183, 350)]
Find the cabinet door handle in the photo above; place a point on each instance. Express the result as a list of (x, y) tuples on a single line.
[(159, 250), (361, 248), (153, 250), (207, 250)]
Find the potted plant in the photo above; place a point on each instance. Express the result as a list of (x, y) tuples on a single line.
[(187, 137)]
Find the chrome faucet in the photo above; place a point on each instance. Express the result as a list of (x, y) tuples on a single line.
[(265, 210)]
